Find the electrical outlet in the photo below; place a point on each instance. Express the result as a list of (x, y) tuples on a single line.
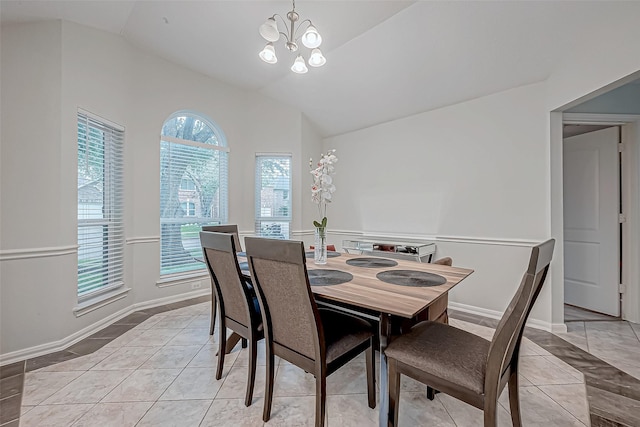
[(196, 285)]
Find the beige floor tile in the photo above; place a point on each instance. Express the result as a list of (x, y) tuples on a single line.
[(90, 387), (539, 370), (349, 379), (144, 385), (171, 357), (194, 383), (416, 410), (191, 336), (126, 358), (154, 337), (174, 322), (351, 411), (234, 385), (243, 355), (114, 414), (201, 321), (539, 410), (181, 413), (233, 413), (54, 415), (293, 411), (528, 348), (293, 381), (38, 386), (207, 357), (465, 415), (572, 397)]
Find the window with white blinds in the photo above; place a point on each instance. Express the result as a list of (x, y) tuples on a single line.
[(273, 195), (100, 206), (193, 188)]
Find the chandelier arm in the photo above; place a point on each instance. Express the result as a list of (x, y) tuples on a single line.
[(285, 26), (309, 24)]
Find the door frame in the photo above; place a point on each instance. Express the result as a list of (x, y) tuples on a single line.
[(630, 130)]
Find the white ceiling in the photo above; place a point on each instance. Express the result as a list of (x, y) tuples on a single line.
[(385, 59)]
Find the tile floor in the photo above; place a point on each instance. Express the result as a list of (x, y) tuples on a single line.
[(159, 370)]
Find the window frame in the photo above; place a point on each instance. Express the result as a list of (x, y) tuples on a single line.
[(112, 206), (258, 208), (172, 142)]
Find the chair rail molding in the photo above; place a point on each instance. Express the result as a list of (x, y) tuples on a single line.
[(142, 239), (429, 237), (13, 254)]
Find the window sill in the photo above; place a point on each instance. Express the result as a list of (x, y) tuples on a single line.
[(100, 301), (181, 278)]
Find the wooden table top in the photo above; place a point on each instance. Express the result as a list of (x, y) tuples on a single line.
[(367, 291)]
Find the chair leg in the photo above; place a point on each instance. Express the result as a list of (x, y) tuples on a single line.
[(491, 411), (213, 312), (431, 393), (321, 398), (253, 355), (394, 392), (371, 375), (222, 348), (268, 388), (514, 400)]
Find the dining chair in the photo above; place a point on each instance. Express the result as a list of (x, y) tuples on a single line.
[(464, 365), (239, 308), (229, 229), (226, 228), (319, 341)]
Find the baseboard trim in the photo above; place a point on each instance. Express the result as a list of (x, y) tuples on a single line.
[(497, 315), (52, 347)]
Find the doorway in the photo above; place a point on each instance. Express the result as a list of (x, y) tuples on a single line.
[(592, 221)]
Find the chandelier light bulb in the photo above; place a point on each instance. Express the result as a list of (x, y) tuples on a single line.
[(295, 34), (299, 66), (269, 30), (268, 54), (311, 38), (317, 59)]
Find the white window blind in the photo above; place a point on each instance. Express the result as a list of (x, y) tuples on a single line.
[(273, 195), (100, 206), (193, 188)]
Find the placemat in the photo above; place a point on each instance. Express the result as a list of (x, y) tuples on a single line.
[(372, 262), (411, 278), (321, 277)]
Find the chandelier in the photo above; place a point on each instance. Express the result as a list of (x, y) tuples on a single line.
[(310, 38)]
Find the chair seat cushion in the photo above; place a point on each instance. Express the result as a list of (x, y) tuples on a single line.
[(444, 351), (343, 332)]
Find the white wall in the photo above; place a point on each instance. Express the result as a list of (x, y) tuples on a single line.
[(472, 175), (606, 61), (49, 70)]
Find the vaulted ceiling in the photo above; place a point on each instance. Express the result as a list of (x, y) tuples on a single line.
[(385, 59)]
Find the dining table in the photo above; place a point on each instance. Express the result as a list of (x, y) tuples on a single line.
[(385, 290)]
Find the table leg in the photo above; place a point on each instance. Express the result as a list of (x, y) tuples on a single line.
[(385, 334), (232, 341)]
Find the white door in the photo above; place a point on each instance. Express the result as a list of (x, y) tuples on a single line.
[(591, 227)]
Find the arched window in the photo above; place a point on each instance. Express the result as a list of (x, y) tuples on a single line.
[(193, 187)]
